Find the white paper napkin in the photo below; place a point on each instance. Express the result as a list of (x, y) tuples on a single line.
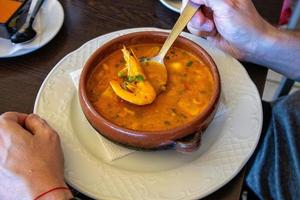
[(114, 151), (35, 43)]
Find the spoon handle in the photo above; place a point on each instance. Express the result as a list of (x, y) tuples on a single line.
[(182, 21), (36, 9)]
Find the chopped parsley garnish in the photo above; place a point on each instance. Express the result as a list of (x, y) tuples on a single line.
[(138, 78), (130, 79), (121, 74), (189, 63)]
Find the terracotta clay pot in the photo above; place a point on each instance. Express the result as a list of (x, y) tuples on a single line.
[(184, 138)]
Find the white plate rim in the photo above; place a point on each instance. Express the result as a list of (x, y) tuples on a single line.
[(60, 22), (260, 114)]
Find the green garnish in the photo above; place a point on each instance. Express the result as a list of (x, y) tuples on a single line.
[(189, 63), (139, 78), (130, 79), (121, 74)]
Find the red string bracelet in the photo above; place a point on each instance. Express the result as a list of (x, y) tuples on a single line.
[(56, 188)]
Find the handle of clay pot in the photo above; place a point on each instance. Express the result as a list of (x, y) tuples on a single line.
[(188, 145)]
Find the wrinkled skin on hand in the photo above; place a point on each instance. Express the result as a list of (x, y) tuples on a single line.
[(31, 159), (232, 25)]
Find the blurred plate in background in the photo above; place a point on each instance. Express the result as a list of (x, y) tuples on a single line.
[(174, 5), (47, 24)]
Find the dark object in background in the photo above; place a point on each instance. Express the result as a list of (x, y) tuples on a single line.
[(15, 20), (27, 33)]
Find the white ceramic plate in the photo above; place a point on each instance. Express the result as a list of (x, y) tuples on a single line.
[(174, 5), (48, 22), (227, 144)]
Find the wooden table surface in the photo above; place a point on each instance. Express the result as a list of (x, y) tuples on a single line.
[(21, 77)]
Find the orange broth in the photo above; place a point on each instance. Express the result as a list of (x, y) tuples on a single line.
[(189, 90)]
